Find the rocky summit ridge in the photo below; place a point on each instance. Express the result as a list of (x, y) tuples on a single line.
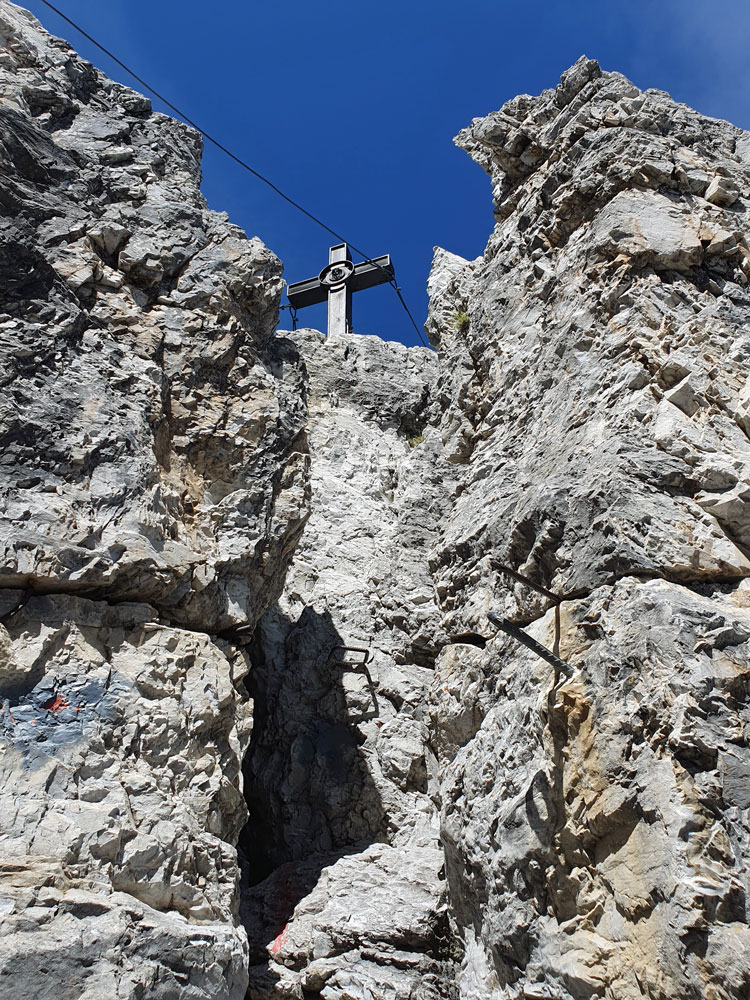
[(258, 736)]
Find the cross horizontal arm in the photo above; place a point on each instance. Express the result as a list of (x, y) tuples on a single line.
[(368, 274), (306, 293)]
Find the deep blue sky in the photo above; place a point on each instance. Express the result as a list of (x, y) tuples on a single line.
[(351, 107)]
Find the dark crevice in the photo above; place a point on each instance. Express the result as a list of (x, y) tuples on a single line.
[(310, 796)]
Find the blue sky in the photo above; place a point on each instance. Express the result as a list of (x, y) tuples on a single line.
[(351, 107)]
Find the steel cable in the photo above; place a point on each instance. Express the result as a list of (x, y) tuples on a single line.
[(237, 159)]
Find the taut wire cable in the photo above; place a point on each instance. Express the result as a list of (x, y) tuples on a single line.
[(237, 159)]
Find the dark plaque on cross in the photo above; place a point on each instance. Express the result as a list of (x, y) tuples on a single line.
[(337, 283)]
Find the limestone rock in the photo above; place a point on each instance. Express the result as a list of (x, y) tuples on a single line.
[(258, 736), (121, 747), (143, 397), (152, 489), (594, 366), (649, 227), (596, 387), (339, 758)]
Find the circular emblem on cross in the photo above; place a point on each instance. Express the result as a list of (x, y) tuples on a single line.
[(337, 273)]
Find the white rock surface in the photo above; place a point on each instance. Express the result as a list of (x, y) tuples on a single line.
[(202, 795), (594, 366), (144, 400), (152, 490), (120, 806), (338, 758)]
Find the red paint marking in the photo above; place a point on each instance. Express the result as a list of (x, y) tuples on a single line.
[(56, 704), (280, 941)]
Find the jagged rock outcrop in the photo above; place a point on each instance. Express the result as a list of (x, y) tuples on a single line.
[(152, 490), (199, 514), (120, 805), (595, 399), (146, 409), (339, 757)]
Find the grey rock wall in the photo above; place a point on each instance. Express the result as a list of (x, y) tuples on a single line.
[(143, 397), (202, 794), (152, 488), (339, 778), (594, 383)]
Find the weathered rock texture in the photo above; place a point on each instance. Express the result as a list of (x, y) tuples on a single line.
[(595, 399), (339, 757), (203, 795), (148, 417), (152, 489)]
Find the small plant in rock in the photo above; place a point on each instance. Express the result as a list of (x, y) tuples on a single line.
[(462, 321), (415, 440)]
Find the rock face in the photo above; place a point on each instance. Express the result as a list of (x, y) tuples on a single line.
[(152, 488), (258, 735), (339, 755), (595, 401), (144, 400)]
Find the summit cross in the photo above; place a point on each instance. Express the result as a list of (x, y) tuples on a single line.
[(337, 282)]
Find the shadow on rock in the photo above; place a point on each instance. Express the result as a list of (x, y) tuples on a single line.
[(309, 791)]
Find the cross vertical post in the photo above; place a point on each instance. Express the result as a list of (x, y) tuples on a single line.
[(336, 276)]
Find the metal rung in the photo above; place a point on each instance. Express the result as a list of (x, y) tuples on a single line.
[(523, 637), (529, 583), (365, 657)]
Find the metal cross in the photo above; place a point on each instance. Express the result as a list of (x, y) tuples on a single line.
[(337, 282)]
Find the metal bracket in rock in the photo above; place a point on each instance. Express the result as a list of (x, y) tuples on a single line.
[(504, 625)]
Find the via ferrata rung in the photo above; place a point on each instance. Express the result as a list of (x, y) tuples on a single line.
[(364, 656), (504, 625)]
